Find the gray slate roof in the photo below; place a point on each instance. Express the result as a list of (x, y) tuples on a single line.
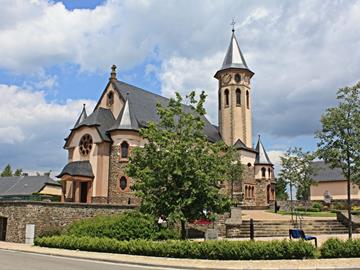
[(261, 157), (240, 145), (234, 57), (102, 119), (24, 185), (142, 109), (323, 172), (77, 168)]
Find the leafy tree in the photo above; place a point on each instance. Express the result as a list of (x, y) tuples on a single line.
[(18, 172), (7, 171), (339, 138), (235, 176), (297, 171), (178, 171), (280, 189)]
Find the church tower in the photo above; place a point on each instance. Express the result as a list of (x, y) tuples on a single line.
[(234, 96)]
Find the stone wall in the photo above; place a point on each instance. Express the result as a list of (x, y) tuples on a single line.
[(47, 215), (117, 167)]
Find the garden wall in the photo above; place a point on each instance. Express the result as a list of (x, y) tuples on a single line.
[(46, 215)]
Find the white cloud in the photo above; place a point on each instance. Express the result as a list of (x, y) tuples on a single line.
[(32, 129)]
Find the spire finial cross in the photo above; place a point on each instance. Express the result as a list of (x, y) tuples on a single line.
[(233, 25)]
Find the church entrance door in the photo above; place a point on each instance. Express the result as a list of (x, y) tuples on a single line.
[(83, 192), (3, 225)]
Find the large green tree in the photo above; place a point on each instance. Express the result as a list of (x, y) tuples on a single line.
[(178, 172), (281, 189), (7, 171), (339, 138)]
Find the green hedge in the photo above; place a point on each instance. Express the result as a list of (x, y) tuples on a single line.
[(336, 248), (219, 250), (124, 226)]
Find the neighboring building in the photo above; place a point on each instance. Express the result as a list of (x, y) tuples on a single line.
[(330, 182), (99, 144), (28, 187)]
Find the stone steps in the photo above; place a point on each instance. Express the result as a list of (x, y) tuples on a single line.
[(270, 228)]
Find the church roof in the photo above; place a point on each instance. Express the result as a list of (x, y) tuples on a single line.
[(323, 172), (77, 168), (261, 157), (240, 145), (102, 119), (140, 108), (82, 117), (234, 57)]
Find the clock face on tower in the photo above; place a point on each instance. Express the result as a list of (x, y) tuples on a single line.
[(227, 78)]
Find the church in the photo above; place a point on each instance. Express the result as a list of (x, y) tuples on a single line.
[(99, 144)]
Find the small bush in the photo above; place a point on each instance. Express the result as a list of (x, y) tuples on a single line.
[(339, 206), (215, 250), (124, 226), (317, 205), (336, 248)]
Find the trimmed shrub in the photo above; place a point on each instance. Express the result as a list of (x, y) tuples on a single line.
[(336, 248), (215, 250), (317, 205), (124, 226)]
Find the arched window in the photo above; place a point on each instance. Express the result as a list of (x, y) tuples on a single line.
[(110, 98), (269, 171), (219, 101), (247, 100), (238, 97), (226, 97), (252, 192), (246, 192), (237, 78), (124, 150), (263, 172), (123, 183)]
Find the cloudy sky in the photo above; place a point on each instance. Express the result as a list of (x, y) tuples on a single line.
[(56, 55)]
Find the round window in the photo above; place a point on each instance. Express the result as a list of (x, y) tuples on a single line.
[(123, 182), (237, 78), (85, 145)]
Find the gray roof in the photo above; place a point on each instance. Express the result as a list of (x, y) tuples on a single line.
[(77, 168), (24, 185), (323, 172), (240, 145), (261, 156), (102, 119), (141, 108), (234, 57), (81, 118)]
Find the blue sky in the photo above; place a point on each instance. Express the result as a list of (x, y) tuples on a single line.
[(56, 55)]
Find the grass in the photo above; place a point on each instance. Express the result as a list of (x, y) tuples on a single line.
[(308, 214)]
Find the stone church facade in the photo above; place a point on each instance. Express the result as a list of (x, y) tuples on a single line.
[(99, 144)]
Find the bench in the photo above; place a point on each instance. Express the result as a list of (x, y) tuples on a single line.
[(300, 234)]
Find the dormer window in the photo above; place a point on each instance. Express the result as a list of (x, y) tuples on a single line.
[(110, 98), (124, 150)]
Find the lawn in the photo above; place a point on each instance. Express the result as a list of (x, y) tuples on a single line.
[(308, 214)]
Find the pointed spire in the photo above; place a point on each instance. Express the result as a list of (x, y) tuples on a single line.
[(125, 121), (82, 116), (234, 57), (261, 156)]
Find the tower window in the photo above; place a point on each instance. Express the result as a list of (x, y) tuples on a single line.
[(123, 183), (269, 170), (124, 150), (226, 97), (110, 98), (247, 100), (238, 97), (237, 78), (263, 172), (219, 101)]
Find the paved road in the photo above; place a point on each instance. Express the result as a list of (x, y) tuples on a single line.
[(13, 260)]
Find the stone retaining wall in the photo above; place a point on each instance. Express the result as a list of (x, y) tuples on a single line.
[(46, 215)]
